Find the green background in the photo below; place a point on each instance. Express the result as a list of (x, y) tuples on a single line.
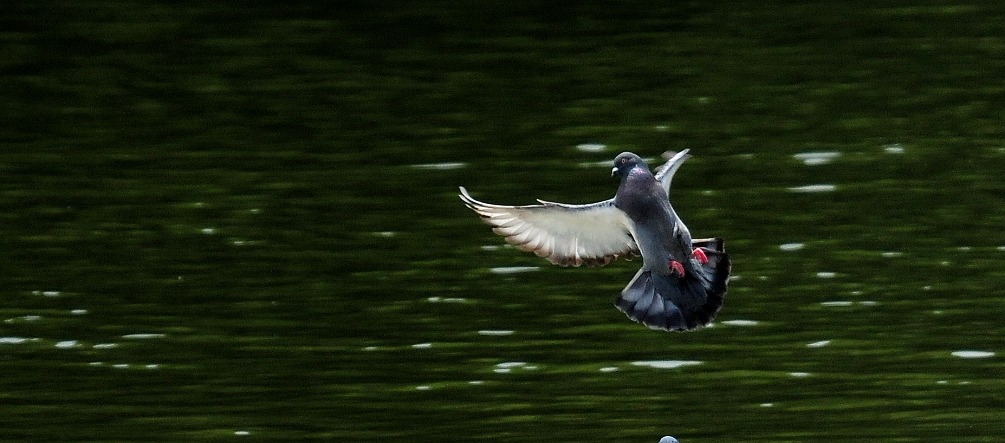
[(237, 221)]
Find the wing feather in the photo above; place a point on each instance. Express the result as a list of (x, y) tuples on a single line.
[(665, 172), (567, 235)]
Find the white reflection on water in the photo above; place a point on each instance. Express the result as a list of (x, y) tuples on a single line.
[(509, 366), (15, 340), (973, 354), (126, 365), (666, 364), (799, 374), (24, 318), (814, 188), (447, 299), (844, 303), (740, 322), (894, 148), (143, 336), (818, 344), (608, 369), (445, 166), (66, 344), (422, 345), (825, 274), (591, 147), (47, 293), (513, 269), (817, 158), (791, 246), (495, 332)]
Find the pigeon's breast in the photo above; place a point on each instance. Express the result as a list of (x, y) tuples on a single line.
[(641, 197), (646, 205)]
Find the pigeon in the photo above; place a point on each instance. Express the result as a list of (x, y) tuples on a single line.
[(682, 282)]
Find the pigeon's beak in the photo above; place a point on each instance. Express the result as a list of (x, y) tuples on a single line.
[(614, 171)]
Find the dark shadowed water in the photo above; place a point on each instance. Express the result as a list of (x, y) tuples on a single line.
[(225, 222)]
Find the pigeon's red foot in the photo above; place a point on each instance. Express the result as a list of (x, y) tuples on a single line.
[(677, 267), (700, 256)]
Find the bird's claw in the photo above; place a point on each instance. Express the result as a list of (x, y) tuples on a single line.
[(700, 256), (677, 267)]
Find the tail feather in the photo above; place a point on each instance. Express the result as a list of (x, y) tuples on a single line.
[(674, 303)]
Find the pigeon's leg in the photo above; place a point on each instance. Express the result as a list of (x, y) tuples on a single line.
[(700, 256), (677, 267)]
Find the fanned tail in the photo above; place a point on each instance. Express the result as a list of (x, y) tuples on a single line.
[(674, 303)]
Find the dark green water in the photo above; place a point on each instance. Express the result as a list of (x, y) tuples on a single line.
[(224, 222)]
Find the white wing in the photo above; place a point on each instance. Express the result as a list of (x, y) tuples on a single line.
[(665, 173), (567, 235)]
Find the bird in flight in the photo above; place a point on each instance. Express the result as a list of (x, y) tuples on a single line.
[(682, 282)]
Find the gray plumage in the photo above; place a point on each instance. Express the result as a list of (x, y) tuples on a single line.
[(639, 220)]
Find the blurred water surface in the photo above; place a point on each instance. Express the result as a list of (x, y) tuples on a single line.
[(231, 222)]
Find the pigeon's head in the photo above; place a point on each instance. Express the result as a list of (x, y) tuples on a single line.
[(625, 162)]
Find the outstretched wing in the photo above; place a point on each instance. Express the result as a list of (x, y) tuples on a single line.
[(665, 172), (567, 235)]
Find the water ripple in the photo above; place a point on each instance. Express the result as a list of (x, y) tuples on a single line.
[(495, 332), (591, 147), (973, 354), (513, 269), (445, 166), (894, 148), (666, 364), (145, 336), (446, 299), (817, 158), (825, 187)]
